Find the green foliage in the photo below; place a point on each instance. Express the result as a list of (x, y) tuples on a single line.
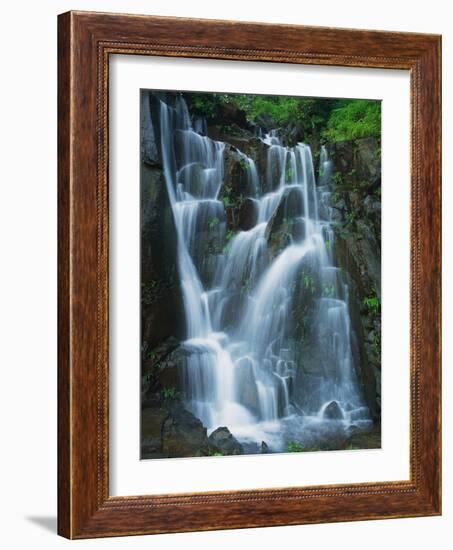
[(376, 343), (372, 303), (151, 355), (289, 173), (337, 178), (170, 392), (328, 290), (335, 197), (244, 164), (329, 119), (281, 109), (308, 282), (216, 453), (228, 238), (351, 217), (353, 119), (229, 235), (295, 447), (213, 222), (204, 104)]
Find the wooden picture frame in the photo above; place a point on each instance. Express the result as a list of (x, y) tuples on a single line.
[(85, 42)]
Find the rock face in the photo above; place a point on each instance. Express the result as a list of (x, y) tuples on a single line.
[(222, 441), (283, 227), (183, 435), (152, 422), (148, 147), (236, 190), (161, 300), (333, 411), (169, 430), (356, 203)]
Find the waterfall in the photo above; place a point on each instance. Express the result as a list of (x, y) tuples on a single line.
[(242, 366)]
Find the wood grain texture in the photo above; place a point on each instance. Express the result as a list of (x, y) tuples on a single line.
[(86, 40)]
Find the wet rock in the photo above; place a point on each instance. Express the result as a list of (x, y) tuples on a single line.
[(285, 223), (222, 441), (158, 354), (367, 161), (265, 121), (233, 135), (365, 439), (333, 411), (237, 186), (247, 214), (183, 435), (161, 299), (229, 114), (248, 388), (292, 134), (149, 148), (172, 369), (191, 177), (356, 206), (152, 421)]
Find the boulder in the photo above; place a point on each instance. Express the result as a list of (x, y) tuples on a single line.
[(333, 411), (183, 434), (365, 439), (152, 421), (222, 441)]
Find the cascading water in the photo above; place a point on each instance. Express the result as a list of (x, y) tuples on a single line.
[(241, 367)]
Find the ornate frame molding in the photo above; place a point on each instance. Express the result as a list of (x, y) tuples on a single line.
[(86, 40)]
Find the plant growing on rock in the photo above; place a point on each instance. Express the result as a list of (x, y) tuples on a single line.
[(244, 164), (170, 392), (372, 303), (308, 281), (216, 453), (295, 447), (337, 178), (328, 290), (213, 222), (351, 218), (226, 201)]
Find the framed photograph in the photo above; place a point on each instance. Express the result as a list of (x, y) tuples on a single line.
[(249, 275)]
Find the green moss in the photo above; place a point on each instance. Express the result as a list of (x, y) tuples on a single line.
[(295, 447)]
